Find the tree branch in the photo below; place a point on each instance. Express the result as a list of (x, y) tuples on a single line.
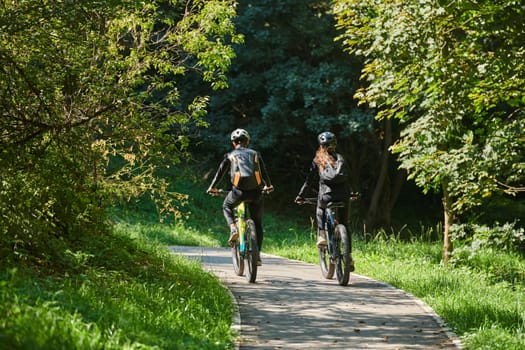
[(510, 189)]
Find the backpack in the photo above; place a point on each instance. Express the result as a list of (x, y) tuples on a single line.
[(333, 175), (245, 169)]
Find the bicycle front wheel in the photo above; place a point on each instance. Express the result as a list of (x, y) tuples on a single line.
[(325, 261), (252, 251), (343, 249), (237, 259)]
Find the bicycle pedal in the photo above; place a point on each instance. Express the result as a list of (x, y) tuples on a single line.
[(233, 238)]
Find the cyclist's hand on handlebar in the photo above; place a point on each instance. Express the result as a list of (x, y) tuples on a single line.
[(299, 200), (355, 196), (268, 189), (212, 191)]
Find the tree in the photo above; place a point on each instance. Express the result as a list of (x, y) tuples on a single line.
[(289, 82), (90, 84), (453, 73)]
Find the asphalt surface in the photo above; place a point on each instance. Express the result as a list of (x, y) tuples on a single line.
[(291, 306)]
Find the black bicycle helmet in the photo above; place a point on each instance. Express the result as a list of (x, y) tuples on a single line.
[(240, 135), (326, 139)]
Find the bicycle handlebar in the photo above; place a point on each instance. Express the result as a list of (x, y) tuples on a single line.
[(221, 192), (313, 200), (307, 201)]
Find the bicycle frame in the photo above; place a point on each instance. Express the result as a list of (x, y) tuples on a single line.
[(245, 248), (335, 256), (330, 223), (242, 222), (245, 251)]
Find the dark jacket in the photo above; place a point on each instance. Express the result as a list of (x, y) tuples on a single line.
[(313, 176)]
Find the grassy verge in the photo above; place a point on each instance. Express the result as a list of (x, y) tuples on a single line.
[(117, 291)]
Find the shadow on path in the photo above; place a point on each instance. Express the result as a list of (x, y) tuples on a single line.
[(291, 306)]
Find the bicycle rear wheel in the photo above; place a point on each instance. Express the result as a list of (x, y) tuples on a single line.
[(237, 259), (327, 265), (343, 247), (252, 251)]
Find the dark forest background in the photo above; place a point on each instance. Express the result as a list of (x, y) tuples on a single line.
[(290, 81)]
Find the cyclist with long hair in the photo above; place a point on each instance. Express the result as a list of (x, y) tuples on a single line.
[(329, 191)]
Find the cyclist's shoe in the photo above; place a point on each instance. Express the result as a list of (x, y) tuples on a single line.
[(321, 239), (233, 237), (352, 265), (259, 262)]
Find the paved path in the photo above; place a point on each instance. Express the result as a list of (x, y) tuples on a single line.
[(291, 306)]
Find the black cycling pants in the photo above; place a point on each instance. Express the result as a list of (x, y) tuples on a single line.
[(323, 200), (254, 201)]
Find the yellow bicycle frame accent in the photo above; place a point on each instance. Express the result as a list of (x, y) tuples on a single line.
[(241, 216)]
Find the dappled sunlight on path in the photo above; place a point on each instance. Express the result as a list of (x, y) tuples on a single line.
[(291, 306)]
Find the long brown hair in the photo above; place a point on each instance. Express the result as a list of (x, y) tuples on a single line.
[(323, 157)]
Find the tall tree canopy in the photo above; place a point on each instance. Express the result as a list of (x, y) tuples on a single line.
[(91, 83), (289, 77), (289, 82), (453, 73)]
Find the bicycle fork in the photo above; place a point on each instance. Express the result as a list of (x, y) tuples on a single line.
[(329, 227)]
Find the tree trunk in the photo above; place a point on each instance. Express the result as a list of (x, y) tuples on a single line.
[(396, 187), (449, 220), (372, 218)]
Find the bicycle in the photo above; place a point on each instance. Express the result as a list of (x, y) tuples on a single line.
[(245, 248), (335, 256)]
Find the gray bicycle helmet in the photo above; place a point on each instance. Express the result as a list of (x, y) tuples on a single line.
[(240, 135), (326, 139)]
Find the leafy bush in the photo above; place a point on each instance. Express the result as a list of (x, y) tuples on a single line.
[(492, 250), (472, 237)]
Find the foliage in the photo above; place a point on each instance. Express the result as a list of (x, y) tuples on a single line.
[(505, 237), (90, 106), (288, 82), (454, 73), (502, 208), (491, 249)]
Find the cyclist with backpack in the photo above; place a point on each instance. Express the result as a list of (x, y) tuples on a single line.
[(248, 179), (330, 169)]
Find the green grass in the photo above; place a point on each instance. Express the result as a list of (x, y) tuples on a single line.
[(118, 292)]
